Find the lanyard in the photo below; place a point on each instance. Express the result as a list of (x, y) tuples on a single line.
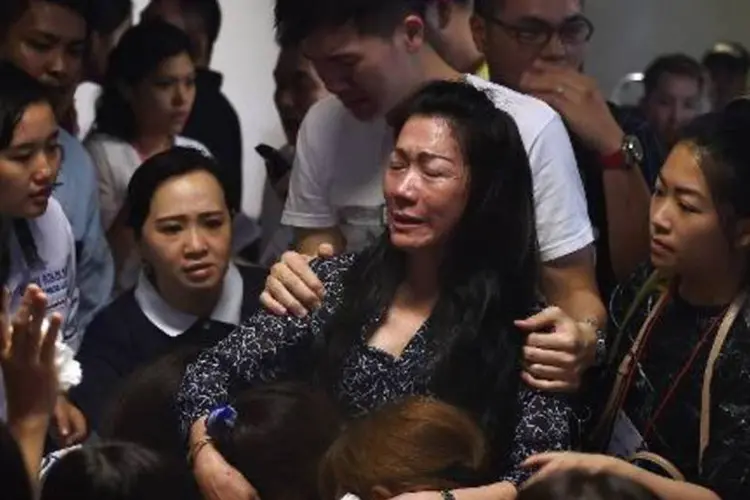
[(680, 374)]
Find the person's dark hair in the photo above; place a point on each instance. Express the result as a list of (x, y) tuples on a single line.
[(293, 424), (728, 56), (672, 64), (720, 141), (143, 411), (16, 481), (209, 13), (298, 19), (140, 52), (160, 168), (413, 444), (579, 485), (108, 15), (18, 91), (12, 10), (117, 471), (488, 276), (491, 7)]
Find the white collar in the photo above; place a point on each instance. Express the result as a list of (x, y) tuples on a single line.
[(173, 322)]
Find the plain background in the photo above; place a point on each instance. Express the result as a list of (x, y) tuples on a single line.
[(629, 33)]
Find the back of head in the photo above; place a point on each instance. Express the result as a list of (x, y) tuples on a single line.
[(412, 445), (16, 484), (158, 169), (671, 64), (280, 434), (18, 91), (720, 141), (138, 54), (729, 56), (108, 15), (298, 19), (143, 410), (12, 10), (577, 485), (117, 471)]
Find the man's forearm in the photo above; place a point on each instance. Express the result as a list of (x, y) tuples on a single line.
[(627, 199), (496, 491)]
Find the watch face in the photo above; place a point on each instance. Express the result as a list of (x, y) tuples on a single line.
[(633, 149)]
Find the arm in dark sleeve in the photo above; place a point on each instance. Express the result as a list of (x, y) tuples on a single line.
[(105, 358), (544, 425), (262, 349)]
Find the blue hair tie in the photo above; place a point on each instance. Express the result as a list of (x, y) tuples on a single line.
[(221, 419)]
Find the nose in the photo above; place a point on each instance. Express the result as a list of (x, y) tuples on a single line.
[(555, 51), (660, 219), (44, 168), (57, 65), (407, 187), (195, 245)]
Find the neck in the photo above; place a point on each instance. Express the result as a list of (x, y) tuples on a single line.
[(422, 285), (149, 145), (712, 289), (199, 304)]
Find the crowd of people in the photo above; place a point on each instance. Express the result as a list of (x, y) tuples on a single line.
[(477, 277)]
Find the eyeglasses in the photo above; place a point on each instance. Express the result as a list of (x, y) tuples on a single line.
[(537, 33)]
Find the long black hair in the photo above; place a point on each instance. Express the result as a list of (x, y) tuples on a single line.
[(18, 91), (488, 277), (140, 52)]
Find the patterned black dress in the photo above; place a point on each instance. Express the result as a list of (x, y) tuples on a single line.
[(675, 433), (267, 347)]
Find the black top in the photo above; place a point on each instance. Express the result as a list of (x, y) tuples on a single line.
[(268, 347), (675, 435), (214, 123), (590, 167), (121, 338)]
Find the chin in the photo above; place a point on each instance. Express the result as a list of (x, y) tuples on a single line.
[(409, 244), (34, 211)]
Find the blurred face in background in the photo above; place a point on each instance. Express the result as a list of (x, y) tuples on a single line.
[(298, 87), (518, 33), (673, 104), (48, 42), (162, 101)]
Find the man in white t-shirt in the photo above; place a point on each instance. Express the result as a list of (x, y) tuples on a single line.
[(372, 54)]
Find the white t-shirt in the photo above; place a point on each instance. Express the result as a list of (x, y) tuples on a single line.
[(337, 178), (116, 161), (55, 273)]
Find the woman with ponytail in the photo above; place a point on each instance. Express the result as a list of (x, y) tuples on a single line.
[(678, 400)]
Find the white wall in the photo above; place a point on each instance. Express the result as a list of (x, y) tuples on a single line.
[(630, 33), (246, 54)]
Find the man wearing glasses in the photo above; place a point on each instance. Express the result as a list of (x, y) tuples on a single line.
[(537, 47)]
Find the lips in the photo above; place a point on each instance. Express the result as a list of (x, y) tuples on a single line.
[(402, 219), (41, 194), (659, 247)]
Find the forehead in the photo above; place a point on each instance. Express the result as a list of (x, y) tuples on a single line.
[(428, 134), (682, 168), (290, 61), (194, 192), (37, 120), (55, 20), (678, 83), (548, 10), (341, 40)]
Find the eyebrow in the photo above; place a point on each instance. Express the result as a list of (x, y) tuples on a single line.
[(52, 37), (683, 190), (30, 144), (539, 20), (178, 217), (424, 156)]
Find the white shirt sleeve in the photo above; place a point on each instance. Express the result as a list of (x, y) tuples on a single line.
[(110, 201), (308, 203), (562, 221)]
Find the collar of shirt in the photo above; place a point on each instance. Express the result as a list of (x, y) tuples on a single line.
[(173, 322)]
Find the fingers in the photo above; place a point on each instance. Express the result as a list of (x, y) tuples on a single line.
[(539, 460), (565, 338), (542, 321), (267, 300), (21, 319), (548, 385), (38, 313), (62, 421), (284, 297), (326, 250), (78, 427), (300, 267), (47, 354)]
